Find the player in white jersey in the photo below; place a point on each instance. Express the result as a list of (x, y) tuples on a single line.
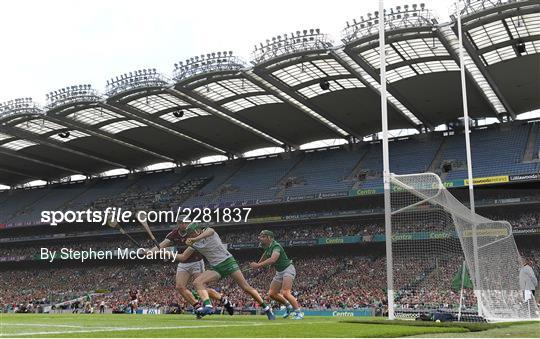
[(222, 264), (192, 267)]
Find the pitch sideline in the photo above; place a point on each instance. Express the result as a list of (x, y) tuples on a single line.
[(120, 329)]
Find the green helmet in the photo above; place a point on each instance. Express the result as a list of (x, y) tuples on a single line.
[(192, 228), (267, 233)]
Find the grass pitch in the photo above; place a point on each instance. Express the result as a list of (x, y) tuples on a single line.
[(148, 326)]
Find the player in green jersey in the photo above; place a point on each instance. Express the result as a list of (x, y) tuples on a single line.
[(222, 264), (281, 285)]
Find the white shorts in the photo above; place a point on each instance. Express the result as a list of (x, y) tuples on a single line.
[(191, 267), (290, 271), (134, 302)]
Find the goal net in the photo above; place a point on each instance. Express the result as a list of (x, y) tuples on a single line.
[(433, 235)]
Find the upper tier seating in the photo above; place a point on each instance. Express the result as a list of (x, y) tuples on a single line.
[(496, 150)]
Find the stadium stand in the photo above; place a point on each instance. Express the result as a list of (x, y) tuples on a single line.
[(256, 179), (322, 172), (488, 160), (304, 174), (324, 282), (324, 205)]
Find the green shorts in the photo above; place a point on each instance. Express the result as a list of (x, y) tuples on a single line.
[(226, 267)]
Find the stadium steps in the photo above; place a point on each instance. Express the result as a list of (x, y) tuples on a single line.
[(437, 160), (225, 182), (37, 205), (282, 180), (14, 212), (67, 204), (530, 154), (195, 190), (356, 167), (75, 202)]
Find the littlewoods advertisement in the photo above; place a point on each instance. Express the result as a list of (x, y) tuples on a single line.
[(500, 179)]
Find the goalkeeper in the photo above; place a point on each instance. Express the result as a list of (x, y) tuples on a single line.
[(223, 264), (281, 285)]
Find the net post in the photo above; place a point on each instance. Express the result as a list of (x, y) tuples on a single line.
[(461, 291), (477, 286), (386, 166)]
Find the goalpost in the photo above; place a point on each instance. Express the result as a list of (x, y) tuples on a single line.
[(429, 234), (433, 234)]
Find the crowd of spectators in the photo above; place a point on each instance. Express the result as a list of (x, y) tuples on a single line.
[(323, 282), (283, 233), (520, 221), (138, 197)]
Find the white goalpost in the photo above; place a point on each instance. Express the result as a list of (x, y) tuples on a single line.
[(430, 236), (434, 234)]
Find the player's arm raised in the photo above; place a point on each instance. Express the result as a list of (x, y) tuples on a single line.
[(165, 243), (208, 232), (273, 258)]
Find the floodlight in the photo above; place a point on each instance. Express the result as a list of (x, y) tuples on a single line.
[(520, 47), (324, 84)]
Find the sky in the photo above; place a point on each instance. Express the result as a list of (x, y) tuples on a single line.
[(47, 45)]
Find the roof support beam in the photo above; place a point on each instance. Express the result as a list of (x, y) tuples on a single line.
[(417, 61), (263, 79), (470, 51), (104, 135), (58, 145), (512, 43), (503, 11), (212, 108), (317, 81), (155, 119), (121, 110), (18, 172), (489, 79), (362, 71), (38, 161), (444, 41)]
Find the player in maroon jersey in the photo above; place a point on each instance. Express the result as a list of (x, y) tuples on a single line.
[(191, 268), (133, 300)]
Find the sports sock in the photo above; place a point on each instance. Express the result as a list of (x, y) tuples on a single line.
[(207, 303), (263, 305)]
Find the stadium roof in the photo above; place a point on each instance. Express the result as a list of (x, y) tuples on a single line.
[(301, 87)]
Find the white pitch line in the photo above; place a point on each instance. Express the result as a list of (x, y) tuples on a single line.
[(119, 329), (80, 326), (43, 325)]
